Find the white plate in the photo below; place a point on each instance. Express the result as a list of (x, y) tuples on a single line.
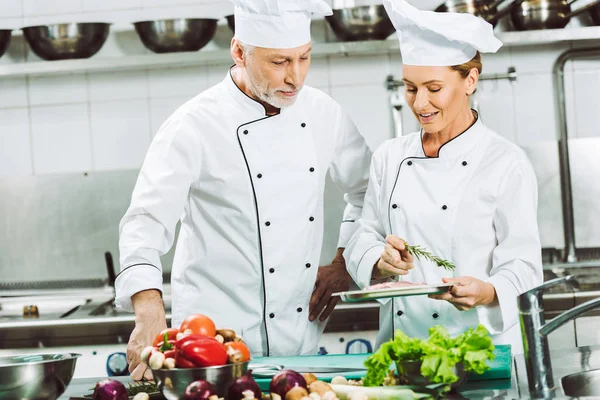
[(363, 295)]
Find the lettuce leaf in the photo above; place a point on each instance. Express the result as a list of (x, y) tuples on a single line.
[(438, 354)]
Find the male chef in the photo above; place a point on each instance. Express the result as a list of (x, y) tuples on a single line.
[(243, 166)]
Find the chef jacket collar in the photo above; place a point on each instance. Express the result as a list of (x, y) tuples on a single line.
[(463, 143), (248, 101)]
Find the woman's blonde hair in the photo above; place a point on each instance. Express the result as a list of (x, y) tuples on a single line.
[(465, 69)]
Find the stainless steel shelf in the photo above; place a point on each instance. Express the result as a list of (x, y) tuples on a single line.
[(320, 50)]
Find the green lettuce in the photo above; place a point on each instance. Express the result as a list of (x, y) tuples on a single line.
[(438, 354)]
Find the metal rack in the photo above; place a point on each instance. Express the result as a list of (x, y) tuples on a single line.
[(320, 50)]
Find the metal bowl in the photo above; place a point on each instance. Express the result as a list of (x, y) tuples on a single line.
[(410, 373), (36, 376), (66, 41), (361, 23), (174, 35), (231, 22), (172, 382), (5, 35)]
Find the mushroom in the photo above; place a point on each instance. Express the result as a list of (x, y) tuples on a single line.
[(227, 334), (309, 378)]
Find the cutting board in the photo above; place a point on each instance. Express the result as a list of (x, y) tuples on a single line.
[(500, 368)]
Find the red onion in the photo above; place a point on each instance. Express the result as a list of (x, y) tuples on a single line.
[(243, 383), (285, 380), (109, 389), (199, 390)]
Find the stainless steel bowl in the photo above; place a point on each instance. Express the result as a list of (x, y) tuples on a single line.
[(410, 373), (174, 35), (361, 23), (36, 376), (66, 41), (172, 382), (231, 22), (5, 35)]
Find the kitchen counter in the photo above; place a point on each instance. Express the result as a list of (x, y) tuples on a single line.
[(564, 362)]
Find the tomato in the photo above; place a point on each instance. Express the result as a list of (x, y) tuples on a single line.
[(160, 338), (199, 324), (237, 352)]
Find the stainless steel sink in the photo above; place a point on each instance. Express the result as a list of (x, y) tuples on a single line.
[(582, 384)]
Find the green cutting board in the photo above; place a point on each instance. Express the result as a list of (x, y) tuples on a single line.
[(500, 368)]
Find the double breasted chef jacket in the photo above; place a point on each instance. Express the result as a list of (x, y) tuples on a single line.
[(248, 189), (475, 205)]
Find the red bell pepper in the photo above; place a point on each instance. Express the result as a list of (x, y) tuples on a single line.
[(191, 338), (203, 353), (170, 353), (182, 362)]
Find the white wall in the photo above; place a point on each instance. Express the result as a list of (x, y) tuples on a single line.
[(106, 120)]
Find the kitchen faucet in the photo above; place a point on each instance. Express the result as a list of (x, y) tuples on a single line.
[(534, 331)]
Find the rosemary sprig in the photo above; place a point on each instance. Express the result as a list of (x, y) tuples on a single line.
[(419, 252)]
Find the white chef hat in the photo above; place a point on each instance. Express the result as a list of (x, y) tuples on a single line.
[(277, 24), (429, 38)]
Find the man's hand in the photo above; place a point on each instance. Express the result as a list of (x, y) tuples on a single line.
[(150, 320), (395, 259), (330, 279), (468, 293)]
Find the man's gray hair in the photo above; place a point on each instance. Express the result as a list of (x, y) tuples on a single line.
[(247, 49)]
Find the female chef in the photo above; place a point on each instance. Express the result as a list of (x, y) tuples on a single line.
[(456, 188)]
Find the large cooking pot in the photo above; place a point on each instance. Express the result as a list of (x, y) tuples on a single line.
[(549, 14), (486, 9)]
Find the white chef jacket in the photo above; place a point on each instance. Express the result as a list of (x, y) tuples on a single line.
[(475, 205), (248, 190)]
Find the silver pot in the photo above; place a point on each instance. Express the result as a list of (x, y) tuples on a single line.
[(5, 35), (549, 14), (174, 35), (66, 41), (486, 9), (361, 23)]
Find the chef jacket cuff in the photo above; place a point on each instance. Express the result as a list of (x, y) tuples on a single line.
[(364, 272), (133, 280), (500, 316), (346, 231)]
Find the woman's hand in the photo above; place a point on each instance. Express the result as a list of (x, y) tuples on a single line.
[(395, 259), (468, 293)]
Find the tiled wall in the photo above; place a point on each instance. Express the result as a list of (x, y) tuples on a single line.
[(106, 120)]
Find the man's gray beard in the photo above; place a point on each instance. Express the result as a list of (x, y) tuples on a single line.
[(270, 98)]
